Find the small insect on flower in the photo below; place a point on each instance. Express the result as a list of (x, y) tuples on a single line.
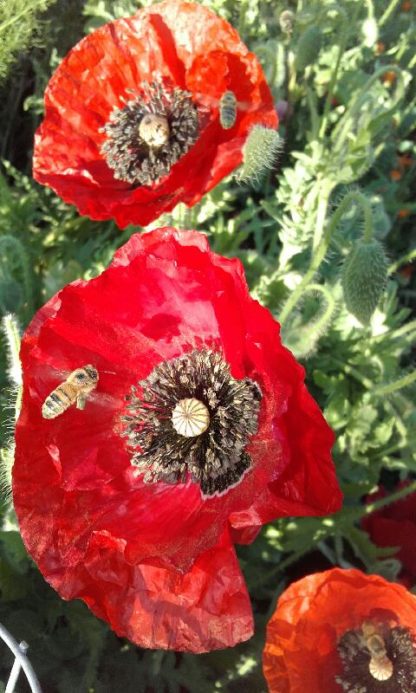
[(74, 390), (228, 110), (380, 666)]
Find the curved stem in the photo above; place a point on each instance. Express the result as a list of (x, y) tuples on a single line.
[(321, 250)]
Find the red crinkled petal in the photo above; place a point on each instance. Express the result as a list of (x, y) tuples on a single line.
[(206, 608), (183, 42), (310, 617), (165, 294)]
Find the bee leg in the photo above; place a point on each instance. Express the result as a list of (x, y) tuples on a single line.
[(81, 401)]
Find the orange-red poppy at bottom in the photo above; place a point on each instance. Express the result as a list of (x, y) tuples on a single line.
[(342, 630)]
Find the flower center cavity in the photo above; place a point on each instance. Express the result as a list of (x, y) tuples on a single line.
[(378, 659), (150, 134), (191, 418)]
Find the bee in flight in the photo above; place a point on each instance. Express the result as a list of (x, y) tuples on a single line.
[(74, 390), (228, 110)]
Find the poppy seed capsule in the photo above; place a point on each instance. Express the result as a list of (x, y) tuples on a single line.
[(154, 130), (190, 417)]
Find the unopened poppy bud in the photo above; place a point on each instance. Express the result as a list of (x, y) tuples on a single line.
[(286, 21), (259, 153), (308, 48), (364, 278)]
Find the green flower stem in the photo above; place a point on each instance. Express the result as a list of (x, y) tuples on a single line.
[(323, 201), (389, 388), (353, 197), (411, 255), (342, 39), (392, 498), (395, 334), (11, 332), (389, 11)]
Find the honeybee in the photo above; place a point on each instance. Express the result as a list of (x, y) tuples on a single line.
[(74, 390), (380, 666), (228, 110)]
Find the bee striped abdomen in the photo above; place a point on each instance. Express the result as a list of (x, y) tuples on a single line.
[(228, 110), (58, 401)]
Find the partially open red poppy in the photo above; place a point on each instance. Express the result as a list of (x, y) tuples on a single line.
[(395, 525), (132, 114), (342, 630), (197, 428)]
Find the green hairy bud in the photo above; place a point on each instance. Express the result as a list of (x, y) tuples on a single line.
[(364, 279), (308, 48), (259, 153)]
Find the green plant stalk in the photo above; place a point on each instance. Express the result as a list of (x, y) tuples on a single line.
[(392, 498), (389, 11), (408, 257), (11, 332), (388, 389), (321, 250), (323, 202), (342, 39), (395, 334)]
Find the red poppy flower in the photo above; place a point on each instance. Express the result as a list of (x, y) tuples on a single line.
[(342, 630), (196, 429), (395, 525), (132, 115)]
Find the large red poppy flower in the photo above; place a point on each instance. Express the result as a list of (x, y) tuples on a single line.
[(342, 630), (132, 115), (197, 428), (395, 525)]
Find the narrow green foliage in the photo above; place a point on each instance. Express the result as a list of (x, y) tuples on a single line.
[(364, 279), (259, 154), (308, 48), (18, 23)]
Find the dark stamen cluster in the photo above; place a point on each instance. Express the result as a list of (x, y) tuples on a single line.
[(216, 459), (400, 648), (132, 159)]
